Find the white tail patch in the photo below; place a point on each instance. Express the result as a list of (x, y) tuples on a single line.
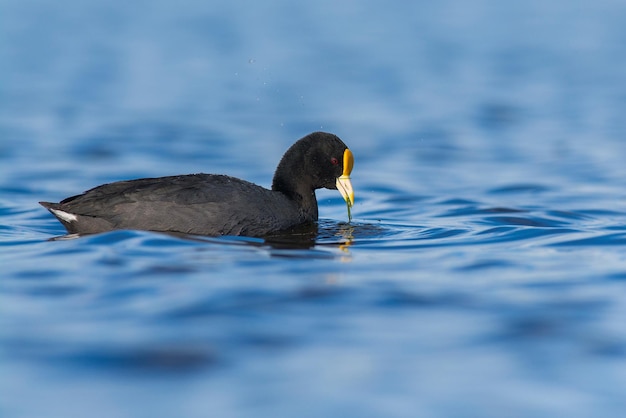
[(66, 216)]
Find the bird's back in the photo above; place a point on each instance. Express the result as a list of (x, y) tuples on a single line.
[(202, 204)]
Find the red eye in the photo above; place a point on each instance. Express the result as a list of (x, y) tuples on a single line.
[(334, 161)]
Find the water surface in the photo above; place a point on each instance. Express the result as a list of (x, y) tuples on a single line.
[(483, 274)]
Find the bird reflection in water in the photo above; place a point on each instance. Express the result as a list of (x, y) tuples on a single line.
[(313, 234)]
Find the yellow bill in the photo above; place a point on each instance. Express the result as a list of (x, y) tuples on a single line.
[(343, 182)]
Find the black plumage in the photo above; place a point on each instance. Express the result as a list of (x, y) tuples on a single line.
[(210, 204)]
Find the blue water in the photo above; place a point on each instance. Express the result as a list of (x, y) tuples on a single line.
[(483, 274)]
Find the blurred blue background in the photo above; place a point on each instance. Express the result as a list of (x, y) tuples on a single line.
[(483, 274)]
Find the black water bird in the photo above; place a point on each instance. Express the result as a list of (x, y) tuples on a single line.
[(210, 204)]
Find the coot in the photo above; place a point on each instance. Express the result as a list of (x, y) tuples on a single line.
[(209, 204)]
